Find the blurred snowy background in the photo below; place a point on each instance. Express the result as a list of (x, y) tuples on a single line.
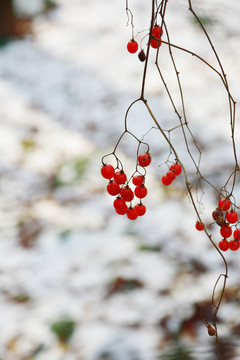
[(78, 282)]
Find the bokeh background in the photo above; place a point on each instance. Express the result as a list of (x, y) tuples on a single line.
[(78, 282)]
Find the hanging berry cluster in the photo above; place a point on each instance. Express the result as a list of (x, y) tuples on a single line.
[(225, 215), (227, 219), (119, 186), (155, 42), (175, 170)]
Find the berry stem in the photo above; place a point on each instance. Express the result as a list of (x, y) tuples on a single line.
[(148, 50)]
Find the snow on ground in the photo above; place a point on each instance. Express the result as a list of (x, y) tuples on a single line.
[(63, 251)]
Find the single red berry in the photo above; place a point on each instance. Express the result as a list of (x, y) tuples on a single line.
[(236, 234), (113, 188), (176, 168), (140, 191), (226, 231), (223, 245), (199, 226), (120, 177), (155, 43), (121, 211), (157, 31), (171, 175), (232, 217), (132, 213), (107, 171), (166, 181), (119, 203), (138, 180), (144, 159), (224, 204), (141, 209), (132, 46), (234, 245), (126, 193)]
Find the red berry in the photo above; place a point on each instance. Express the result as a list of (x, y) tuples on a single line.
[(107, 171), (236, 234), (120, 177), (132, 46), (141, 209), (138, 180), (121, 211), (199, 226), (176, 168), (157, 31), (119, 203), (171, 175), (224, 204), (144, 159), (226, 231), (113, 188), (140, 191), (132, 213), (166, 181), (155, 43), (234, 245), (126, 193), (232, 217), (223, 245)]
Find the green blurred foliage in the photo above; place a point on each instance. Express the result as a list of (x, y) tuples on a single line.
[(63, 329), (4, 40), (206, 19), (70, 172), (28, 144), (49, 5), (145, 247), (65, 234), (177, 352)]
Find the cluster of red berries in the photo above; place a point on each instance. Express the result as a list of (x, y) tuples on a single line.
[(174, 171), (155, 42), (119, 186), (157, 32), (226, 219)]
